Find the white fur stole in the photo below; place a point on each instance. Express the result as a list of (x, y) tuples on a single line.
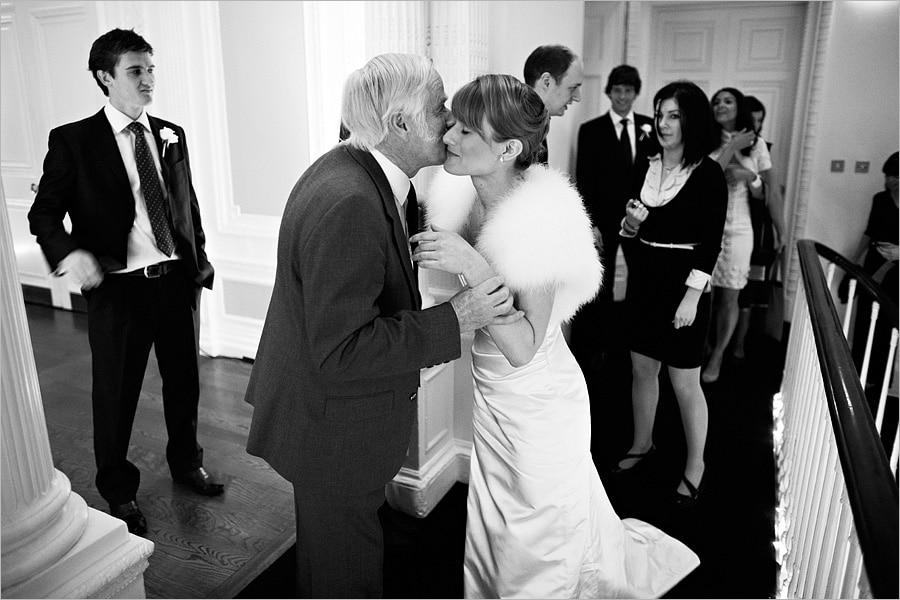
[(539, 236)]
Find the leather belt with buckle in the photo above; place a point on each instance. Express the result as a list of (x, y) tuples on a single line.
[(155, 271)]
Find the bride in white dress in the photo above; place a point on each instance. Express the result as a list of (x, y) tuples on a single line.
[(539, 522)]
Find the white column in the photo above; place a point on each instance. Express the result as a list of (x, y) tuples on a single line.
[(52, 544), (396, 27), (456, 39)]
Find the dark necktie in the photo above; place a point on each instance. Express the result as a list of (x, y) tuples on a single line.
[(412, 223), (625, 142), (152, 191), (412, 212)]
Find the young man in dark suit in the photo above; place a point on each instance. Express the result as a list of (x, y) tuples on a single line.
[(334, 385), (136, 249), (611, 148)]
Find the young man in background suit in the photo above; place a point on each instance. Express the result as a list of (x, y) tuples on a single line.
[(611, 149), (136, 249), (334, 385)]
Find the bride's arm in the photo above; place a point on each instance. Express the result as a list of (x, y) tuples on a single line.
[(447, 251), (519, 341)]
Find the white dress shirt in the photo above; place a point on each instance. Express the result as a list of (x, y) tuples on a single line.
[(399, 183), (142, 248)]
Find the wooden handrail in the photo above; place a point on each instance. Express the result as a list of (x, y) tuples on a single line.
[(888, 306), (870, 484)]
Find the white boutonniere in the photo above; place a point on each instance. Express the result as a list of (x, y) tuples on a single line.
[(168, 137), (645, 131)]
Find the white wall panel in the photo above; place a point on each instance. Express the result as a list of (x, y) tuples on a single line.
[(687, 47)]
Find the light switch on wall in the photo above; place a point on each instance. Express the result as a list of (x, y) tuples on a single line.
[(837, 166), (862, 166)]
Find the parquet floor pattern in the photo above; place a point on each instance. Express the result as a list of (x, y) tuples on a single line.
[(205, 547)]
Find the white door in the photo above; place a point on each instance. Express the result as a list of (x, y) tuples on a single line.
[(43, 83), (752, 46)]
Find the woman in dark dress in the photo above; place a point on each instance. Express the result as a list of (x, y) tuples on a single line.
[(675, 230), (878, 253)]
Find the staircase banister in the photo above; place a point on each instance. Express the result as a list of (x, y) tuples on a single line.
[(888, 306), (870, 484)]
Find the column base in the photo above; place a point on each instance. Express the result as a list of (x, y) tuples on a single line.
[(106, 562)]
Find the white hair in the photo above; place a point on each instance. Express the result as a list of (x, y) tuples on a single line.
[(386, 85)]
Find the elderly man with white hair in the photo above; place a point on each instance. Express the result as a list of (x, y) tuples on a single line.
[(334, 384)]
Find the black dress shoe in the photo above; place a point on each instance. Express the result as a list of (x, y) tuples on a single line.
[(132, 515), (200, 482)]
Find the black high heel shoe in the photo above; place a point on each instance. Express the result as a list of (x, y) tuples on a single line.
[(617, 470), (682, 501)]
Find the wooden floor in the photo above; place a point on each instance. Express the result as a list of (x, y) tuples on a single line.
[(205, 547), (221, 547)]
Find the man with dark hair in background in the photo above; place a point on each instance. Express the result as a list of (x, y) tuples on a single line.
[(610, 149), (556, 74), (137, 250)]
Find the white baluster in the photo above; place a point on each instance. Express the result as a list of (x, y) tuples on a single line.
[(864, 371), (851, 296), (886, 381), (895, 452)]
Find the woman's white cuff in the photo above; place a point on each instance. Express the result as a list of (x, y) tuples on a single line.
[(697, 280)]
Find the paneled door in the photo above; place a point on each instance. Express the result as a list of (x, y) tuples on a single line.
[(43, 83), (752, 46)]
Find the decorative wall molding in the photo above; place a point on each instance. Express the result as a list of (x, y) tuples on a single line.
[(417, 491), (332, 32), (24, 162), (804, 138), (40, 19)]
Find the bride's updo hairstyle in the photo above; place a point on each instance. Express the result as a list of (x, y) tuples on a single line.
[(513, 110)]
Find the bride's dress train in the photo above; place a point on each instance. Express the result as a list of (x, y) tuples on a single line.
[(540, 524)]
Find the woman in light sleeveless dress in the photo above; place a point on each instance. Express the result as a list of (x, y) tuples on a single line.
[(539, 522), (743, 156)]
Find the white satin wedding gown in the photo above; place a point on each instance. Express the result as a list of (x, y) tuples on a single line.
[(539, 522)]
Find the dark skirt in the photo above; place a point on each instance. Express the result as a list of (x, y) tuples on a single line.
[(656, 286)]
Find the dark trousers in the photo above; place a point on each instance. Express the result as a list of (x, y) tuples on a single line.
[(126, 316), (592, 326), (340, 544)]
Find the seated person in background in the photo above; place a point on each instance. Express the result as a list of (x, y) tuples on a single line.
[(877, 252)]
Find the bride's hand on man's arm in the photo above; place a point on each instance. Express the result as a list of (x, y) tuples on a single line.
[(437, 248)]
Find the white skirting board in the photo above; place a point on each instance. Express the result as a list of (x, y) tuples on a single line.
[(417, 492)]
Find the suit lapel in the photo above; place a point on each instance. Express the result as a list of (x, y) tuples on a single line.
[(155, 126), (107, 151), (610, 140), (401, 242)]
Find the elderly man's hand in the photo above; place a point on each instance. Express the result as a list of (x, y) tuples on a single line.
[(489, 303)]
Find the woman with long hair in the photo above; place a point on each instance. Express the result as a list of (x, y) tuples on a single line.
[(743, 165)]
